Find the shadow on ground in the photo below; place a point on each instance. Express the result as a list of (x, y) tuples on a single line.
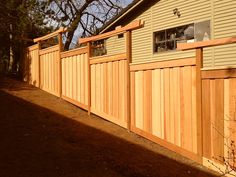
[(37, 142)]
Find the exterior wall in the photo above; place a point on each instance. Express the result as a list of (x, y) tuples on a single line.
[(115, 45), (160, 16)]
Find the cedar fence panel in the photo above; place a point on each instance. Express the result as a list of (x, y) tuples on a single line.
[(32, 65), (163, 104), (109, 88), (219, 110), (49, 70), (75, 77)]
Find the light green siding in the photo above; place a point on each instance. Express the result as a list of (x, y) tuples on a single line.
[(115, 45), (224, 26), (221, 13), (159, 17)]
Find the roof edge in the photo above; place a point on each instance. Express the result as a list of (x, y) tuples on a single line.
[(121, 15)]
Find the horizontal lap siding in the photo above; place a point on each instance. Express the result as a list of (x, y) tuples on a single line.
[(75, 78), (164, 103), (160, 16), (115, 45), (49, 72), (109, 90)]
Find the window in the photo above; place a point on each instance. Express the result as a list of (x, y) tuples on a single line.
[(167, 39), (99, 48)]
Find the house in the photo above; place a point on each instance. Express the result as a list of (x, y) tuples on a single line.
[(156, 41)]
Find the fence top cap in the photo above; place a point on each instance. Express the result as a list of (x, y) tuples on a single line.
[(53, 34), (120, 30), (203, 44)]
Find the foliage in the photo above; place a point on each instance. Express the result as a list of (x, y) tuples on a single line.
[(21, 21)]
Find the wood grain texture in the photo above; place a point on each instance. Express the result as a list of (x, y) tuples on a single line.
[(75, 79), (109, 88), (50, 70), (164, 105)]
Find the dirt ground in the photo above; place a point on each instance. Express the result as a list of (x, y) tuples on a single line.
[(44, 136)]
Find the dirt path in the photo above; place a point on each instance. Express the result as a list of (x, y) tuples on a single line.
[(44, 136)]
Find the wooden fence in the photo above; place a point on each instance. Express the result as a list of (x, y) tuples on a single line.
[(218, 108), (32, 65), (163, 103), (75, 76), (174, 102), (49, 69), (109, 88)]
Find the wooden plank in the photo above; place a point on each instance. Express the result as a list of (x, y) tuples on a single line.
[(132, 26), (156, 103), (166, 81), (105, 86), (87, 81), (162, 103), (218, 150), (187, 86), (61, 30), (82, 83), (212, 115), (60, 43), (194, 109), (63, 77), (79, 81), (203, 44), (74, 52), (109, 118), (127, 69), (98, 87), (164, 143), (147, 100), (139, 99), (33, 47), (132, 101), (227, 116), (172, 107), (49, 50), (81, 105), (73, 60), (199, 65), (93, 86), (163, 64), (107, 58), (176, 100), (219, 73), (102, 103), (110, 83)]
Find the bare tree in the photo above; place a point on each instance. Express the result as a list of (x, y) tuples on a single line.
[(85, 15)]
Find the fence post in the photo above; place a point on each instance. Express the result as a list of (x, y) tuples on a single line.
[(129, 57), (199, 65), (60, 43), (89, 77)]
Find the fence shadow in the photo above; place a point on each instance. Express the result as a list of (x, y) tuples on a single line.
[(36, 141)]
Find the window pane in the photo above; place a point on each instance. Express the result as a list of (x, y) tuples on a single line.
[(203, 31)]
